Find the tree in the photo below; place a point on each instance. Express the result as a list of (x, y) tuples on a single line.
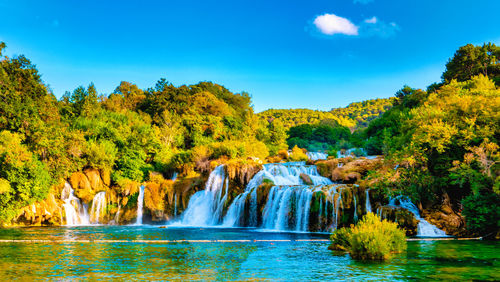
[(470, 60)]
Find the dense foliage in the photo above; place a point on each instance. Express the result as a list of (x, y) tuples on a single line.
[(371, 239), (127, 133), (446, 144), (355, 115), (440, 145), (470, 60), (325, 136)]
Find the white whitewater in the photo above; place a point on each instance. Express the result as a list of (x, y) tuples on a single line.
[(350, 153), (175, 204), (117, 215), (205, 207), (314, 156), (336, 209), (98, 207), (424, 228), (140, 205), (368, 205), (76, 212), (288, 187), (355, 208)]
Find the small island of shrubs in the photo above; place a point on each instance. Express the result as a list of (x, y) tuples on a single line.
[(371, 239)]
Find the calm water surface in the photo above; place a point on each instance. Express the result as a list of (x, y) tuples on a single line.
[(286, 261)]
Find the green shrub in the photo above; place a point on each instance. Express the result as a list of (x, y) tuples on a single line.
[(482, 212), (370, 239), (298, 155), (340, 240)]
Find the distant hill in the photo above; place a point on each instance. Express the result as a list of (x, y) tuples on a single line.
[(355, 115)]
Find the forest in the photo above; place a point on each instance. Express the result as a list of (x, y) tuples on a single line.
[(443, 141)]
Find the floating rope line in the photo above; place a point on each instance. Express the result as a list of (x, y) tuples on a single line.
[(154, 241), (105, 241)]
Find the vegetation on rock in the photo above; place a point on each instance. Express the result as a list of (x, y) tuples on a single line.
[(370, 239)]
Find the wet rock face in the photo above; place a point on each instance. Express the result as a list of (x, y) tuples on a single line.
[(404, 218), (445, 218), (306, 179), (240, 172), (88, 183), (45, 213), (346, 170)]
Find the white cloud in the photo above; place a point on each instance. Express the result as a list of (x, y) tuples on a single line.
[(363, 1), (372, 20), (331, 24)]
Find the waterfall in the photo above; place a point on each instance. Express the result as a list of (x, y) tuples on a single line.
[(336, 208), (205, 207), (117, 215), (424, 228), (75, 211), (140, 205), (320, 212), (288, 185), (350, 152), (368, 205), (98, 207), (317, 156), (175, 204), (286, 203), (355, 208)]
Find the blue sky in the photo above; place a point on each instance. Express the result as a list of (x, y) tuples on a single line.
[(286, 54)]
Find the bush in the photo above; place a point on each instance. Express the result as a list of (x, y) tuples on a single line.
[(298, 155), (482, 212), (340, 240), (370, 239)]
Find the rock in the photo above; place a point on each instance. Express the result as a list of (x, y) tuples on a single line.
[(48, 212), (352, 177), (94, 178), (241, 171), (347, 170), (306, 179), (81, 185), (446, 219), (106, 177), (404, 218)]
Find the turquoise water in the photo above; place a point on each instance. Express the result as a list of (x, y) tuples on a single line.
[(290, 260)]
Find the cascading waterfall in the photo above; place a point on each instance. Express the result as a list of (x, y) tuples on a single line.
[(140, 205), (355, 208), (424, 228), (117, 215), (175, 204), (314, 156), (205, 207), (289, 198), (368, 205), (98, 207), (336, 209), (349, 152), (76, 212), (286, 205)]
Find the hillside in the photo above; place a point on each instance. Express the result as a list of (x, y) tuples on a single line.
[(355, 115)]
